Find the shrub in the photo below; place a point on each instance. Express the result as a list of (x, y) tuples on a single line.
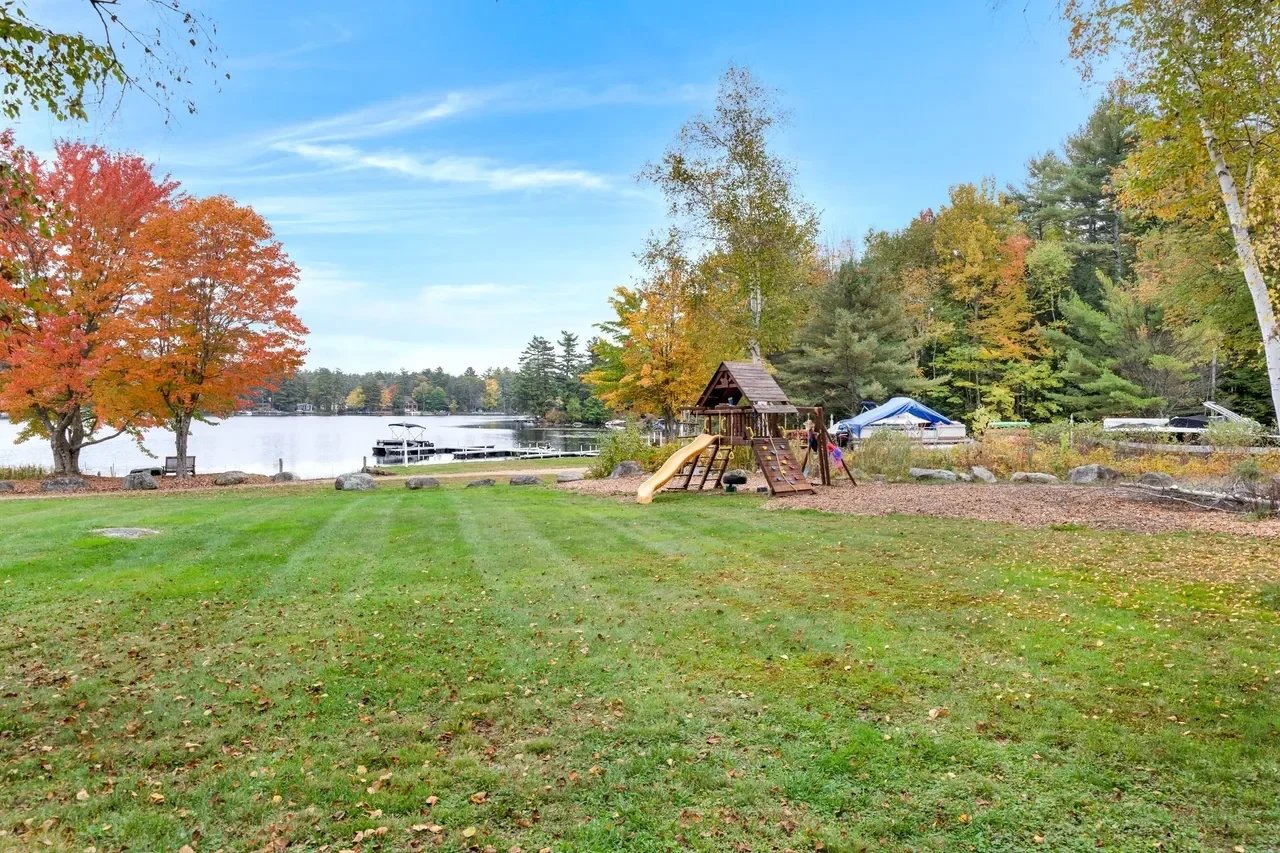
[(1235, 434), (885, 452), (630, 444), (1247, 470)]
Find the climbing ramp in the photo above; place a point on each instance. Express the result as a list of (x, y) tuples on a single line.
[(778, 464)]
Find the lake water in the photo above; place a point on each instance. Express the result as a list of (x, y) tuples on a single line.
[(314, 446)]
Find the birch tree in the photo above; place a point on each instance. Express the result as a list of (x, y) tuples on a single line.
[(1207, 75), (734, 197)]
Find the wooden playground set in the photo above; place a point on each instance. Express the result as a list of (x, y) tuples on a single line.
[(743, 406)]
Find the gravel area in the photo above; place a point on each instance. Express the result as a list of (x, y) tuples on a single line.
[(1099, 507)]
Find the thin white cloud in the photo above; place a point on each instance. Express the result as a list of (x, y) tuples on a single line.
[(447, 170), (385, 119), (388, 118)]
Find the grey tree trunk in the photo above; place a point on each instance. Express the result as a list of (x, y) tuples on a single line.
[(1262, 305), (181, 432), (756, 303), (66, 440)]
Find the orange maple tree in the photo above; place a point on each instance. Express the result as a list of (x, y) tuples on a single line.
[(70, 262), (216, 323)]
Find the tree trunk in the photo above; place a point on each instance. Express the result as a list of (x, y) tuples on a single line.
[(1115, 242), (1262, 305), (66, 439), (181, 431), (756, 303)]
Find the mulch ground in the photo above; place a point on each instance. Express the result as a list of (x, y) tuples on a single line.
[(1098, 507), (204, 482), (98, 485)]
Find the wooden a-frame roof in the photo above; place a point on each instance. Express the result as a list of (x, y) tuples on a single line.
[(735, 380)]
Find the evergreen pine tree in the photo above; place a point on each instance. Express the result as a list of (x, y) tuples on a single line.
[(855, 347)]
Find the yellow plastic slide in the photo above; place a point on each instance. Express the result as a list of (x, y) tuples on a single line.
[(672, 466)]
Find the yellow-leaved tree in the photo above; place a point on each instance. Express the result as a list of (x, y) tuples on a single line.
[(1203, 75), (660, 351)]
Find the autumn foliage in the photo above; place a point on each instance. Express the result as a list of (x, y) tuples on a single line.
[(124, 304)]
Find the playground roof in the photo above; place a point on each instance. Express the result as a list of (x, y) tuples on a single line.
[(734, 380), (899, 409)]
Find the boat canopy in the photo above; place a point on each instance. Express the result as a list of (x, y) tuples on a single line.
[(899, 410), (407, 426)]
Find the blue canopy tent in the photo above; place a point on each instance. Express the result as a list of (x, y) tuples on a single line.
[(899, 411)]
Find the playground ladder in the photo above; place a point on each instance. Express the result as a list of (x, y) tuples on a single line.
[(778, 463), (704, 464)]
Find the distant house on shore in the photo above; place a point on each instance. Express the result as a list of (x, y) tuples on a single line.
[(305, 409)]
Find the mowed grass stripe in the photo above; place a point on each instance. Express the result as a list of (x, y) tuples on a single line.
[(749, 678)]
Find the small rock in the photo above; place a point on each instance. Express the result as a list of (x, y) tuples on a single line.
[(1157, 478), (126, 532), (416, 483), (231, 478), (1084, 474), (63, 484), (525, 480), (477, 484), (356, 482), (626, 469), (139, 481), (285, 477), (1037, 477), (568, 478), (963, 477), (982, 474), (7, 486), (932, 474), (735, 477)]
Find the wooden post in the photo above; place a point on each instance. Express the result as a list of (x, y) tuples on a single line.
[(280, 465), (820, 433)]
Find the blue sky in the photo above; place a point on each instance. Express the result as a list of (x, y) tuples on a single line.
[(454, 177)]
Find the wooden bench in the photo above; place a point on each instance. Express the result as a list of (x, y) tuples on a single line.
[(171, 465)]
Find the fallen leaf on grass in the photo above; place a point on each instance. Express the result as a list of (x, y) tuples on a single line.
[(938, 713), (82, 795), (469, 832), (479, 797)]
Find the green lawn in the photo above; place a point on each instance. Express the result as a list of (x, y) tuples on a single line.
[(473, 669)]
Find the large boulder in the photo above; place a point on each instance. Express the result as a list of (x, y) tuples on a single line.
[(7, 486), (982, 475), (525, 480), (1085, 474), (568, 477), (480, 484), (285, 477), (1157, 478), (626, 469), (1037, 477), (416, 483), (938, 474), (231, 478), (735, 477), (356, 482), (63, 484), (139, 481)]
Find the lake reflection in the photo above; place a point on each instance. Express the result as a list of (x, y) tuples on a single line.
[(315, 446)]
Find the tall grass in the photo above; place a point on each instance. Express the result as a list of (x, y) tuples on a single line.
[(23, 472)]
